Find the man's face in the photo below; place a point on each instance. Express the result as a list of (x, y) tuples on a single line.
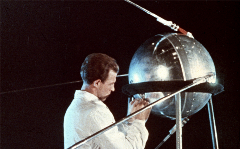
[(107, 87)]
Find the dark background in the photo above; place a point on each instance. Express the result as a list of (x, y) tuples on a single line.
[(44, 43)]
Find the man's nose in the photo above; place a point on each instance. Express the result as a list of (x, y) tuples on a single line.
[(113, 89)]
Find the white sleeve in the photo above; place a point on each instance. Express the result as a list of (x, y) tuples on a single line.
[(134, 137)]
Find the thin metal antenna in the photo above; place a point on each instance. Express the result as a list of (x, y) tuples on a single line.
[(33, 88), (163, 21)]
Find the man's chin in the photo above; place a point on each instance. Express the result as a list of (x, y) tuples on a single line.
[(103, 98)]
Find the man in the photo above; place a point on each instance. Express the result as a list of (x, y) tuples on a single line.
[(87, 114)]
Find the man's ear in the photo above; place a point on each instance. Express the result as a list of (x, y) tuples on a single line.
[(96, 83)]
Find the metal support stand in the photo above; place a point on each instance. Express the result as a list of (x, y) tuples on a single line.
[(172, 131), (212, 124), (178, 121)]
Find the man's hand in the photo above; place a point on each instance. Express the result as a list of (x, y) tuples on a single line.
[(137, 104)]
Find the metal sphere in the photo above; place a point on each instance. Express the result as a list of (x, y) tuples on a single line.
[(172, 57)]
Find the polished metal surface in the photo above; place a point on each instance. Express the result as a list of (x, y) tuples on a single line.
[(172, 57), (212, 125), (178, 121)]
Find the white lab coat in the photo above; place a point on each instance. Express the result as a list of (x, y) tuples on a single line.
[(87, 115)]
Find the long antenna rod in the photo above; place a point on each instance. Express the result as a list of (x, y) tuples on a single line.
[(33, 88), (163, 21)]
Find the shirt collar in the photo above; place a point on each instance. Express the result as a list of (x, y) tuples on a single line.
[(87, 97)]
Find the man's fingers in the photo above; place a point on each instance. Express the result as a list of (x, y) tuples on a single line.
[(140, 102), (132, 102), (143, 102), (135, 101), (146, 103), (147, 99)]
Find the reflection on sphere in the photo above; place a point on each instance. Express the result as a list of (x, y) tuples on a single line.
[(172, 57)]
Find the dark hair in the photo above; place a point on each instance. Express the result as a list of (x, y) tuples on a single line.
[(97, 66)]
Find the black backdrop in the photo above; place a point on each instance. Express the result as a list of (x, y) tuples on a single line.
[(44, 43)]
